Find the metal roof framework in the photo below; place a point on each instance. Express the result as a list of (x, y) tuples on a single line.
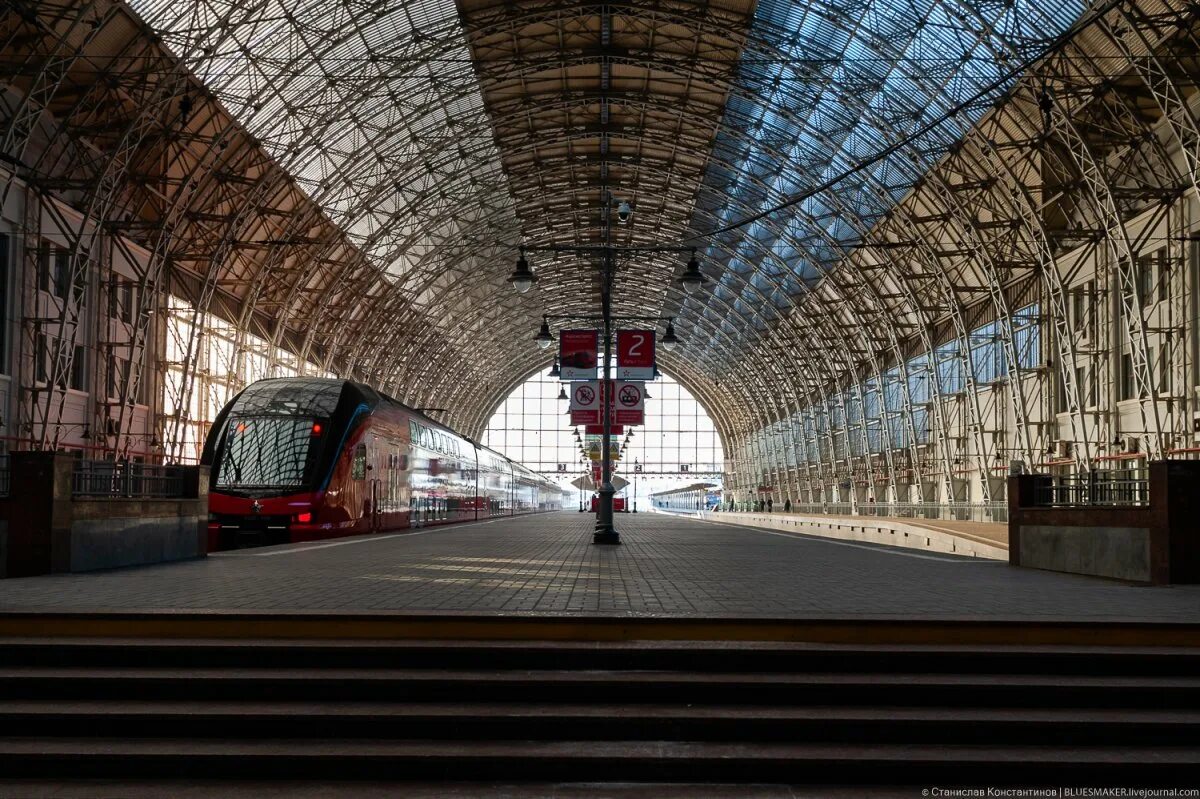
[(351, 180)]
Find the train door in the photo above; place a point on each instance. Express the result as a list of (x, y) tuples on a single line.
[(376, 480), (392, 508), (475, 464), (359, 490), (512, 490)]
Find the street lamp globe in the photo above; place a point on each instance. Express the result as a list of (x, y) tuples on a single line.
[(522, 278), (692, 279), (543, 337), (669, 340)]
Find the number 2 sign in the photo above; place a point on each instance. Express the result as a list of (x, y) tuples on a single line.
[(635, 354)]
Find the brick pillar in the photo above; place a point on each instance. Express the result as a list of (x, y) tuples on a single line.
[(39, 513), (1022, 493), (195, 481), (1174, 509)]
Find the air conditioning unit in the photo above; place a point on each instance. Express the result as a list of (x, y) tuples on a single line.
[(1062, 448)]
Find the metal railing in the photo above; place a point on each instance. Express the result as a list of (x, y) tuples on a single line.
[(949, 511), (121, 479), (1107, 488)]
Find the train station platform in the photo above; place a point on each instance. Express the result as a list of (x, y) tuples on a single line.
[(517, 656), (953, 536), (545, 567)]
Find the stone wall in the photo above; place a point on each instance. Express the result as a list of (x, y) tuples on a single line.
[(47, 530), (1155, 543)]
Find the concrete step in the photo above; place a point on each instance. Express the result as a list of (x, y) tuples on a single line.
[(482, 759), (980, 690), (545, 712), (345, 788), (690, 656), (512, 721)]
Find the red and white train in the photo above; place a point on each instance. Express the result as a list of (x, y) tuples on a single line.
[(301, 459)]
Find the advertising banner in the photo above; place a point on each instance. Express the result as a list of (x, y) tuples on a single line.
[(635, 354), (578, 354)]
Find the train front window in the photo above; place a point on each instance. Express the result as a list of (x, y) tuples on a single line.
[(268, 452)]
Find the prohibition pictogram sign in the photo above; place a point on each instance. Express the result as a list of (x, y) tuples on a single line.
[(584, 395), (629, 395)]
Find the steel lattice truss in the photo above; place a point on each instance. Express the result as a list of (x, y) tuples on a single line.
[(350, 180)]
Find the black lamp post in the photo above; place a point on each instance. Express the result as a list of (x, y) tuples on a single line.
[(635, 475), (605, 533), (691, 280)]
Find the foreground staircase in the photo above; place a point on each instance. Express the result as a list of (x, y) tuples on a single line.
[(641, 711)]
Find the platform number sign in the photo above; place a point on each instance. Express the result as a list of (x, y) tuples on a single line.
[(562, 467), (635, 355), (685, 467)]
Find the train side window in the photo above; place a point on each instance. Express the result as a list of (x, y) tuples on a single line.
[(358, 470)]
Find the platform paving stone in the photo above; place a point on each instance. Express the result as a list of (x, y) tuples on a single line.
[(546, 564)]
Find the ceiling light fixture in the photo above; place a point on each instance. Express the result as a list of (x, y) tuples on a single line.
[(522, 278), (692, 279), (543, 338)]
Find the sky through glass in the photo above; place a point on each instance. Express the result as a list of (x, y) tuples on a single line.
[(677, 446)]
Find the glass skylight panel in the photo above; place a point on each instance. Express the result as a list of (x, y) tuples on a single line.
[(340, 95), (856, 81)]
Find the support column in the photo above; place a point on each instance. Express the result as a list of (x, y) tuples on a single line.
[(605, 533)]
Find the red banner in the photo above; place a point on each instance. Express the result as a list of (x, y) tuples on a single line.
[(598, 429), (578, 354), (630, 403), (585, 403), (626, 402), (635, 354)]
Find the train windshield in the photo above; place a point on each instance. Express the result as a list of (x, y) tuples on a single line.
[(268, 452)]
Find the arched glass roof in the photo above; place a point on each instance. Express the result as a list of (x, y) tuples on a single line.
[(351, 180)]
